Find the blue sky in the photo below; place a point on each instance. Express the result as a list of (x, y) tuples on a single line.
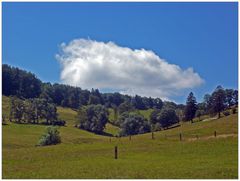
[(203, 36)]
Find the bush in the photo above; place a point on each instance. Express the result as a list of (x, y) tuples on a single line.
[(50, 137), (132, 123), (226, 113)]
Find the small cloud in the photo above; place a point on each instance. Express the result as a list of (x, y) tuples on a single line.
[(92, 64)]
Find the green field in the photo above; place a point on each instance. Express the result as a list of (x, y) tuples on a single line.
[(86, 155)]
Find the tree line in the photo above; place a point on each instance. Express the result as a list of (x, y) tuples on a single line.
[(95, 117), (33, 111), (33, 100), (25, 85)]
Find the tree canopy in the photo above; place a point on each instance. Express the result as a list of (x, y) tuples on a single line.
[(191, 107), (92, 118)]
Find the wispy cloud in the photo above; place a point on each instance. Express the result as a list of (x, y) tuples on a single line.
[(92, 64)]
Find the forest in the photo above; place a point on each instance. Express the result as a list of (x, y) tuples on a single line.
[(35, 102)]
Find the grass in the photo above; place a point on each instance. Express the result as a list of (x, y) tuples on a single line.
[(86, 155), (111, 129)]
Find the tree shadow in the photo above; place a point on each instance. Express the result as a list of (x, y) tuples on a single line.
[(105, 134), (174, 126)]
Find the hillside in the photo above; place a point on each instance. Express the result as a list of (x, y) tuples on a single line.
[(86, 155)]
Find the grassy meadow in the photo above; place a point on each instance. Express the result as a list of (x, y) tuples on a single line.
[(86, 155)]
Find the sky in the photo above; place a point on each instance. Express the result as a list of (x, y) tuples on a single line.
[(160, 49)]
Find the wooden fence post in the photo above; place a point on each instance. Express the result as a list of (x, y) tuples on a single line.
[(116, 152), (180, 136), (215, 134), (152, 135), (130, 137), (110, 139)]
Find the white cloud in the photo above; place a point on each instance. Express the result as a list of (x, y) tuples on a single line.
[(92, 64)]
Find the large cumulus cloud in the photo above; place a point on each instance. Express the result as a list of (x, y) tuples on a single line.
[(92, 64)]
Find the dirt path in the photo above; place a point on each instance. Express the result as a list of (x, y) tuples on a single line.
[(209, 119), (210, 137)]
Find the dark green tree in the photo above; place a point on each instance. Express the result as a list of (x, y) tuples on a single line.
[(93, 118), (154, 116), (235, 97), (132, 123), (199, 113), (218, 100), (17, 109), (30, 111), (125, 107), (157, 103), (167, 117), (229, 97), (191, 108)]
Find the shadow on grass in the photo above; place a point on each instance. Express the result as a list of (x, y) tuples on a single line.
[(174, 126), (40, 123)]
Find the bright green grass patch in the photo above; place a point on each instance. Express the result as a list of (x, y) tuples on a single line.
[(111, 129), (86, 155), (111, 115), (145, 113), (68, 115)]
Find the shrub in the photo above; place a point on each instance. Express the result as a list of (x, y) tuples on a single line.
[(226, 113), (132, 123), (50, 137)]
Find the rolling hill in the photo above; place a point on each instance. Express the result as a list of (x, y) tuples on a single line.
[(86, 155)]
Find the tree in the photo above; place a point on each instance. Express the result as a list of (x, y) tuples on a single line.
[(191, 107), (92, 118), (199, 113), (137, 102), (17, 109), (19, 82), (218, 100), (132, 123), (207, 104), (167, 117), (157, 103), (235, 97), (229, 97), (82, 118), (30, 111), (169, 105), (117, 99), (50, 113), (180, 114), (154, 116), (125, 107), (94, 100)]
